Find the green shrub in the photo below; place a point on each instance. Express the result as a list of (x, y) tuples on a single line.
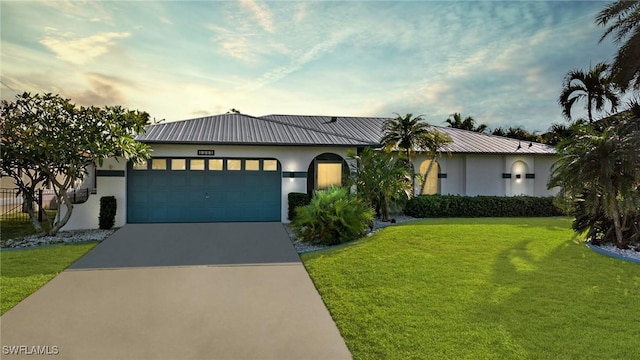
[(107, 212), (296, 199), (481, 206), (334, 216)]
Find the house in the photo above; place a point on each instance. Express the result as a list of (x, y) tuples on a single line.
[(236, 167)]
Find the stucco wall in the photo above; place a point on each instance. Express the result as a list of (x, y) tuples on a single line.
[(291, 158), (543, 172), (484, 175), (85, 215), (466, 175)]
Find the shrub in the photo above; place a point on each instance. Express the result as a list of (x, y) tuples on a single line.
[(481, 206), (332, 217), (108, 208), (296, 199)]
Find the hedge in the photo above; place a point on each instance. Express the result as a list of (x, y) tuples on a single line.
[(107, 214), (426, 206), (296, 199)]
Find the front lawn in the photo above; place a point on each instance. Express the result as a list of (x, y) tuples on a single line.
[(22, 272), (498, 288)]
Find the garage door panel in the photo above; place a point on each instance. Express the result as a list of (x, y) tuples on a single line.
[(204, 195)]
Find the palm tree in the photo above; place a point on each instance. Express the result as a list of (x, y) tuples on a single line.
[(593, 87), (600, 173), (406, 133), (411, 133), (468, 123), (623, 19), (380, 179)]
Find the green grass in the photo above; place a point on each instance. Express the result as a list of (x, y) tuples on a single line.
[(14, 228), (498, 288), (22, 272)]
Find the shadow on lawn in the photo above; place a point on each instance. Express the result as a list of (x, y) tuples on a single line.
[(569, 303)]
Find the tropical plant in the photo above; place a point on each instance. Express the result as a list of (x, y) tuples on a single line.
[(515, 132), (623, 19), (411, 133), (599, 172), (407, 133), (469, 123), (54, 141), (593, 88), (380, 179), (334, 216)]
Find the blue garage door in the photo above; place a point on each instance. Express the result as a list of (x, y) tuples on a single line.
[(164, 190)]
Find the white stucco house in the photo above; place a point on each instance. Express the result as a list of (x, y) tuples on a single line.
[(236, 167)]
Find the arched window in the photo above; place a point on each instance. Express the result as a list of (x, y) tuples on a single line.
[(325, 170), (431, 184)]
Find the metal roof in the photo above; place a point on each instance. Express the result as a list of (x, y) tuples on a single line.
[(243, 129), (370, 129), (319, 130)]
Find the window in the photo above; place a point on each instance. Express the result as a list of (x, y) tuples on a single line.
[(270, 165), (252, 165), (329, 174), (196, 164), (234, 164), (215, 164), (178, 164), (430, 184), (141, 165), (159, 164)]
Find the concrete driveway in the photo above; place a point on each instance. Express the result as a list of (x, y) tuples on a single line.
[(179, 291)]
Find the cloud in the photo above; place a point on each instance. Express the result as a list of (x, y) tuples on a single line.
[(298, 62), (261, 12), (235, 44), (166, 20), (300, 12), (103, 90), (81, 50)]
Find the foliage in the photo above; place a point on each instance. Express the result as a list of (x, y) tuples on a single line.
[(107, 215), (499, 288), (430, 206), (515, 132), (25, 271), (295, 200), (468, 123), (623, 19), (334, 216), (380, 179), (593, 88), (599, 172), (52, 140)]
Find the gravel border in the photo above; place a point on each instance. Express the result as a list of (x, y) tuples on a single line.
[(62, 237), (616, 253)]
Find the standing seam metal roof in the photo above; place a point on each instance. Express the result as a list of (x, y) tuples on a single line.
[(243, 129), (319, 130), (464, 141)]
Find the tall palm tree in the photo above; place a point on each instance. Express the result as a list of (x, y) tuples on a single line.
[(623, 19), (411, 133), (468, 123), (592, 87), (405, 132)]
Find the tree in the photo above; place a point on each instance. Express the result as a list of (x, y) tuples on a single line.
[(623, 19), (54, 140), (515, 132), (468, 123), (380, 179), (412, 134), (593, 87), (599, 173)]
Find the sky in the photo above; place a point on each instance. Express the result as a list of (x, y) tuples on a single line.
[(501, 62)]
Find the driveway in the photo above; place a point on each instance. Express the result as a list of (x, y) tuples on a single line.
[(179, 291)]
